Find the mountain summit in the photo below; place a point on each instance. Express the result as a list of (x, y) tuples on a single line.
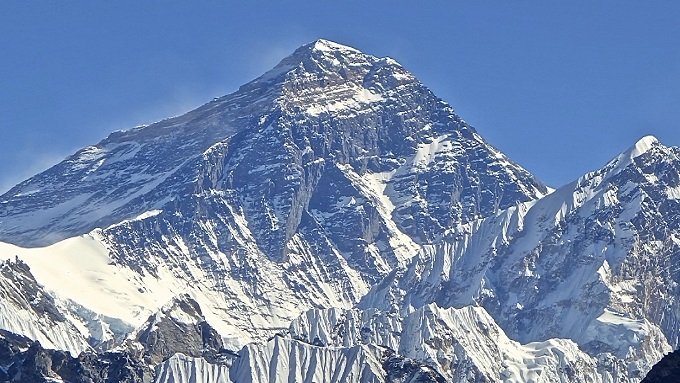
[(334, 220), (324, 102), (301, 189)]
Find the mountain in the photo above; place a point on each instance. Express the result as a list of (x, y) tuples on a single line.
[(595, 262), (333, 220), (301, 189)]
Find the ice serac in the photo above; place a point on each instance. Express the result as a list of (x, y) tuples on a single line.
[(180, 368), (460, 345), (596, 262), (301, 189)]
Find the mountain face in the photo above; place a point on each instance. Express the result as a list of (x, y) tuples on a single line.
[(301, 189), (325, 105), (593, 262), (333, 220)]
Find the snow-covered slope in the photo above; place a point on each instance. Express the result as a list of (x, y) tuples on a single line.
[(594, 262), (302, 189), (27, 309), (333, 220), (285, 360)]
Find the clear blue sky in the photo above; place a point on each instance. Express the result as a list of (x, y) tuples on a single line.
[(560, 86)]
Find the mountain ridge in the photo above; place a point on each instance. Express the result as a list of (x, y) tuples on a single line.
[(337, 195)]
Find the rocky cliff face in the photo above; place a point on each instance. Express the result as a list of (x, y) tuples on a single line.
[(334, 220), (179, 327), (24, 360)]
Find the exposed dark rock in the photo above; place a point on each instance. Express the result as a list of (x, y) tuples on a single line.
[(179, 327), (37, 364), (399, 369), (666, 371)]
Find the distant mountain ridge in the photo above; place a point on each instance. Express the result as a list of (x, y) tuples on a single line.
[(333, 216)]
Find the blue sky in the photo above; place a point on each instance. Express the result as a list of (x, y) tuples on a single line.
[(559, 86)]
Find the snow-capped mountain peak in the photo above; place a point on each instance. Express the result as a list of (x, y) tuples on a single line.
[(301, 189), (645, 162), (327, 45), (627, 157), (337, 180), (322, 55), (643, 145), (324, 77)]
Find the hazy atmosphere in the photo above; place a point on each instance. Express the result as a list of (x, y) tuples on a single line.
[(558, 87)]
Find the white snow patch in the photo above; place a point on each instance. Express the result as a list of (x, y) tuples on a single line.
[(140, 217), (359, 97), (626, 158), (642, 146), (673, 193), (80, 269), (330, 46), (375, 185), (426, 152), (625, 334)]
